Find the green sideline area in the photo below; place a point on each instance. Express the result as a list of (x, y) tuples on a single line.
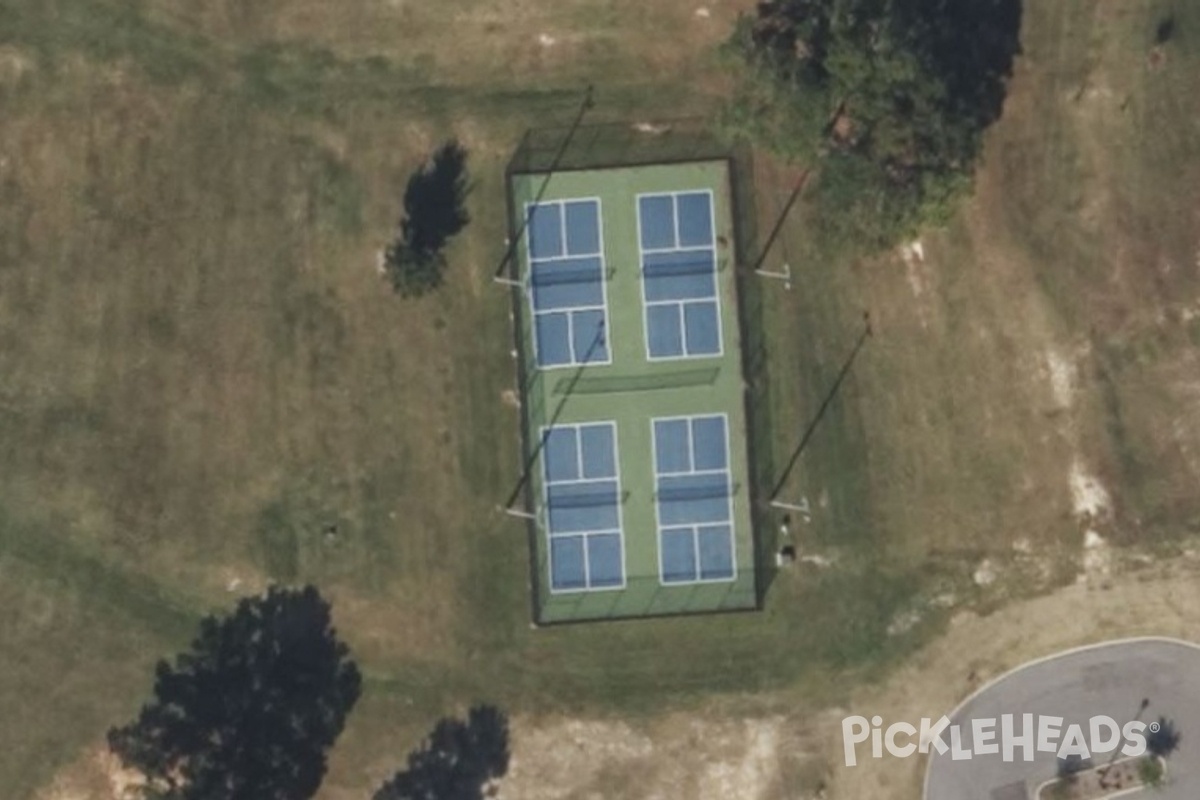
[(634, 407)]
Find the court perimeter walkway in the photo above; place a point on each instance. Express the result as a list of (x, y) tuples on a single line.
[(1110, 679)]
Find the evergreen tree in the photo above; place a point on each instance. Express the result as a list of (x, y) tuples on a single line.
[(248, 712)]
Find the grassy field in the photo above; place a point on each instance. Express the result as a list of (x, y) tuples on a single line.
[(203, 373)]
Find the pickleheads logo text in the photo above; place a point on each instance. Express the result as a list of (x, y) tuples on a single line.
[(991, 737)]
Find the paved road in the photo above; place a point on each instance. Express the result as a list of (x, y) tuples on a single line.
[(1110, 679)]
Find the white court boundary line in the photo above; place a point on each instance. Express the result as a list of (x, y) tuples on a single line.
[(1043, 660)]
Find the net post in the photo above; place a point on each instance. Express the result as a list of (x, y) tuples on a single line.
[(784, 275), (518, 512), (787, 207), (498, 277)]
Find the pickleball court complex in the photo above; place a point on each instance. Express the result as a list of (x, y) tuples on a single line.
[(634, 406)]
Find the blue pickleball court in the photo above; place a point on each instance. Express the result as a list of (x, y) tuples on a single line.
[(583, 507), (566, 283), (679, 275), (693, 494), (638, 491)]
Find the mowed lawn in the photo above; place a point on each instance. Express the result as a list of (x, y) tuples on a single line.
[(206, 386)]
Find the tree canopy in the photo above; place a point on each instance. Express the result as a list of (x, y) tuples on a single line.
[(456, 762), (890, 96), (434, 211), (1164, 740), (249, 711)]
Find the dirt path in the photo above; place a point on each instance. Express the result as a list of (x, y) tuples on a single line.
[(793, 755)]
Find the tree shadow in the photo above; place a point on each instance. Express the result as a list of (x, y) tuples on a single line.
[(434, 200), (974, 44), (1165, 31), (1070, 766), (1164, 740), (434, 211), (458, 761), (253, 706)]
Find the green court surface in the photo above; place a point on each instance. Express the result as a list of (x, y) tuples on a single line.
[(612, 378)]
